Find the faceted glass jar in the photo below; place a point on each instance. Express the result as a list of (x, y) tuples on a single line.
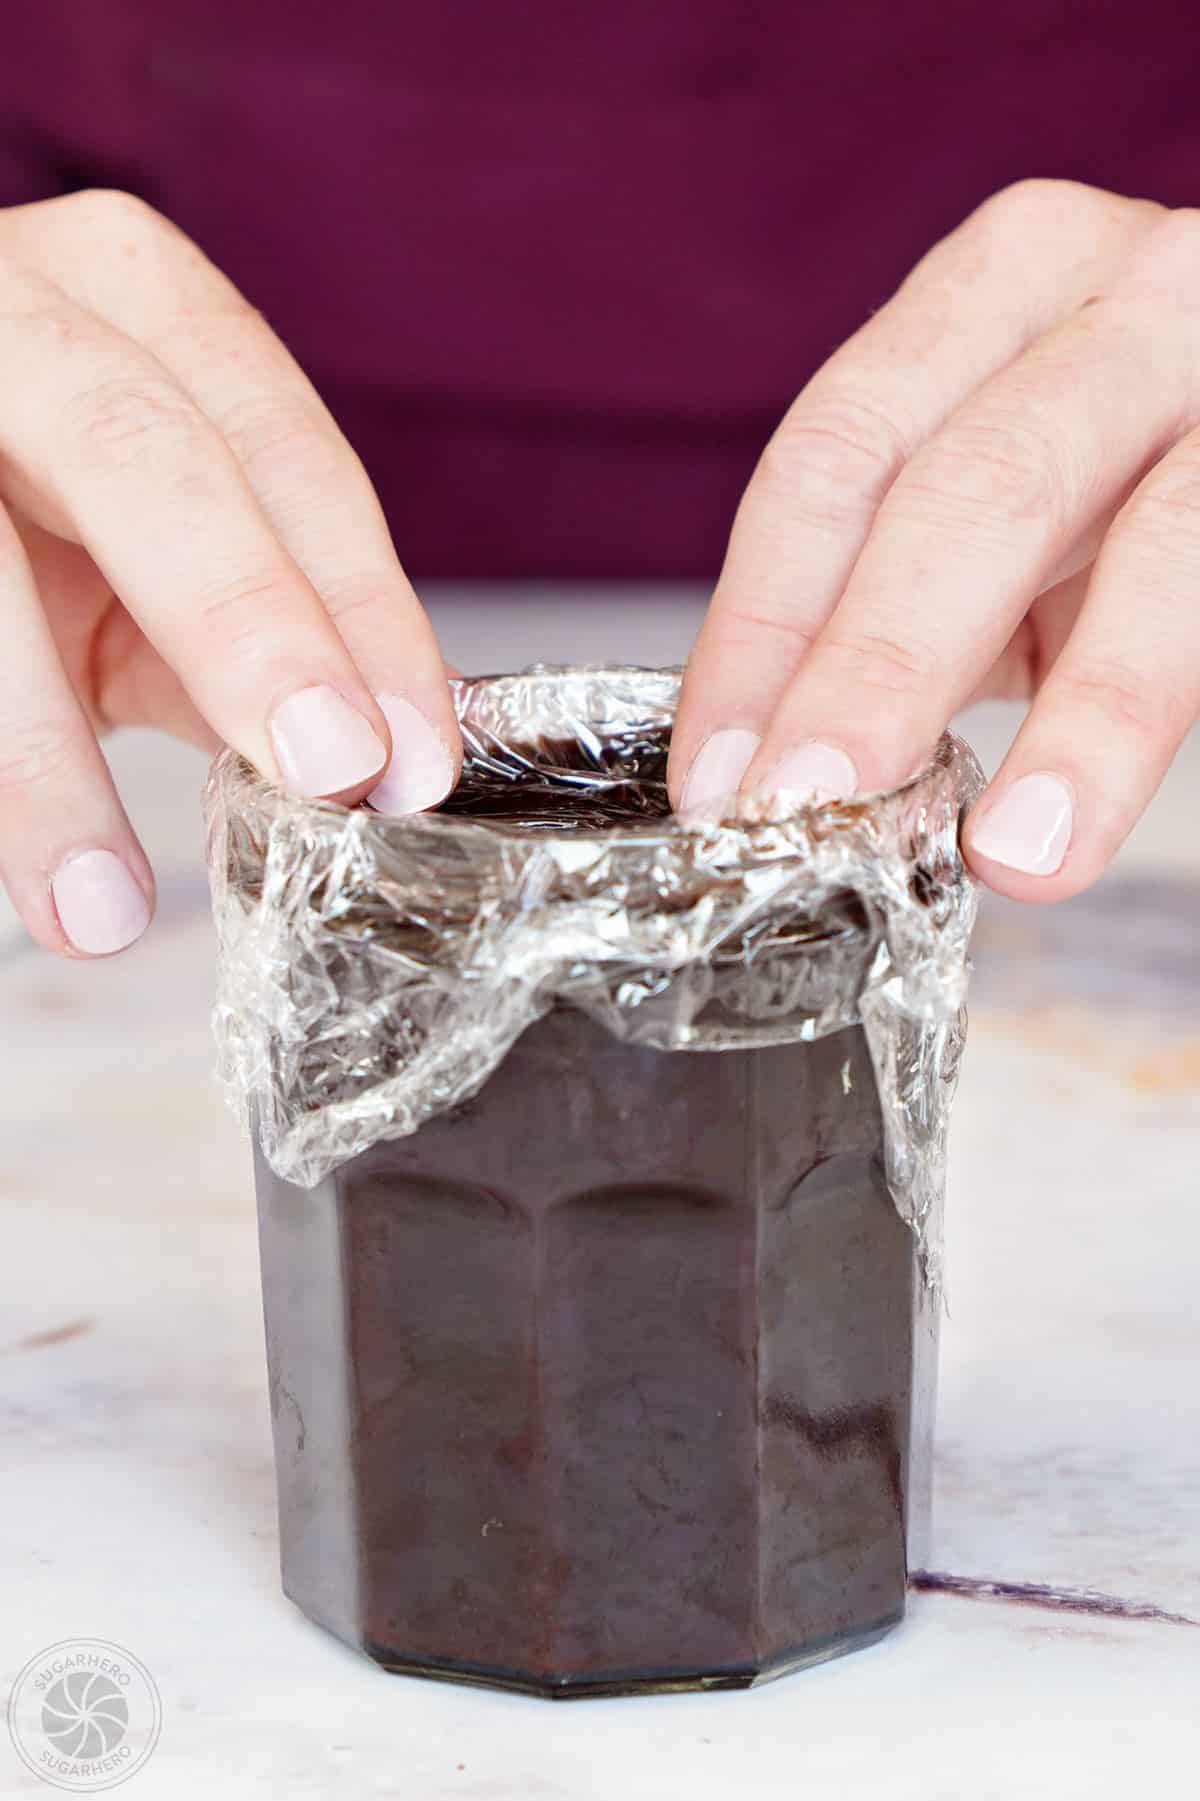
[(601, 1346), (617, 1377)]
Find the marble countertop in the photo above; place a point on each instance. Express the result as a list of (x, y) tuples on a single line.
[(1052, 1651)]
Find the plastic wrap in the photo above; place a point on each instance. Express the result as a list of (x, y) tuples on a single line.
[(374, 971)]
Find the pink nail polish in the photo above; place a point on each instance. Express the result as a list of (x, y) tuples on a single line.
[(814, 772), (100, 906), (716, 773), (1029, 827), (324, 745), (421, 770)]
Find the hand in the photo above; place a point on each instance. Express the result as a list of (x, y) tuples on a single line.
[(992, 489), (187, 541)]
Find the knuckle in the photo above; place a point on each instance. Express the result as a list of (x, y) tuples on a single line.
[(114, 213), (1160, 523), (834, 457), (281, 436), (744, 628), (354, 608), (361, 602), (882, 663), (986, 475), (1077, 229), (37, 753), (125, 420), (1036, 203), (1135, 708), (243, 607), (1035, 193)]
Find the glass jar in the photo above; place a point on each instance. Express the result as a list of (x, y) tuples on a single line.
[(598, 1168)]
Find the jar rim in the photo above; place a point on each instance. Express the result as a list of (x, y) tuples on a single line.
[(533, 698)]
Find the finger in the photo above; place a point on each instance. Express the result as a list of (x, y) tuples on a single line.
[(1020, 669), (970, 533), (117, 675), (165, 294), (1114, 707), (316, 494), (970, 307), (68, 855), (95, 426), (135, 686)]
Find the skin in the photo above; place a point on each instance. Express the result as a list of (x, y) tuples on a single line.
[(186, 538), (993, 488)]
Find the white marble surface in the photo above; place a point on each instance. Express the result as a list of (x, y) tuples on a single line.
[(135, 1459)]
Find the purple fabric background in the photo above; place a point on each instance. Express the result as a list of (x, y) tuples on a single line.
[(559, 267)]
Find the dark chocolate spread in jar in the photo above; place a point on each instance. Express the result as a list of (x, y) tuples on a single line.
[(606, 1377)]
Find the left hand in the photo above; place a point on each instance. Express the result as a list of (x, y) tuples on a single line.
[(992, 489)]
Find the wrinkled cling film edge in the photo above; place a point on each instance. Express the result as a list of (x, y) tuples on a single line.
[(373, 972)]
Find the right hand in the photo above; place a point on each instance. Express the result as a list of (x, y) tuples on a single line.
[(186, 541)]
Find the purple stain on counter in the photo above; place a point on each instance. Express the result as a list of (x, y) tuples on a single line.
[(1041, 1594)]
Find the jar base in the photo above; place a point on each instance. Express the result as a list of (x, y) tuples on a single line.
[(629, 1682)]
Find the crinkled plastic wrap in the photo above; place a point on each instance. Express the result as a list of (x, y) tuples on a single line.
[(374, 971)]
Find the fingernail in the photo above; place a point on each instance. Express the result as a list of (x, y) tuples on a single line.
[(421, 772), (716, 772), (100, 906), (1029, 827), (324, 745), (813, 772)]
